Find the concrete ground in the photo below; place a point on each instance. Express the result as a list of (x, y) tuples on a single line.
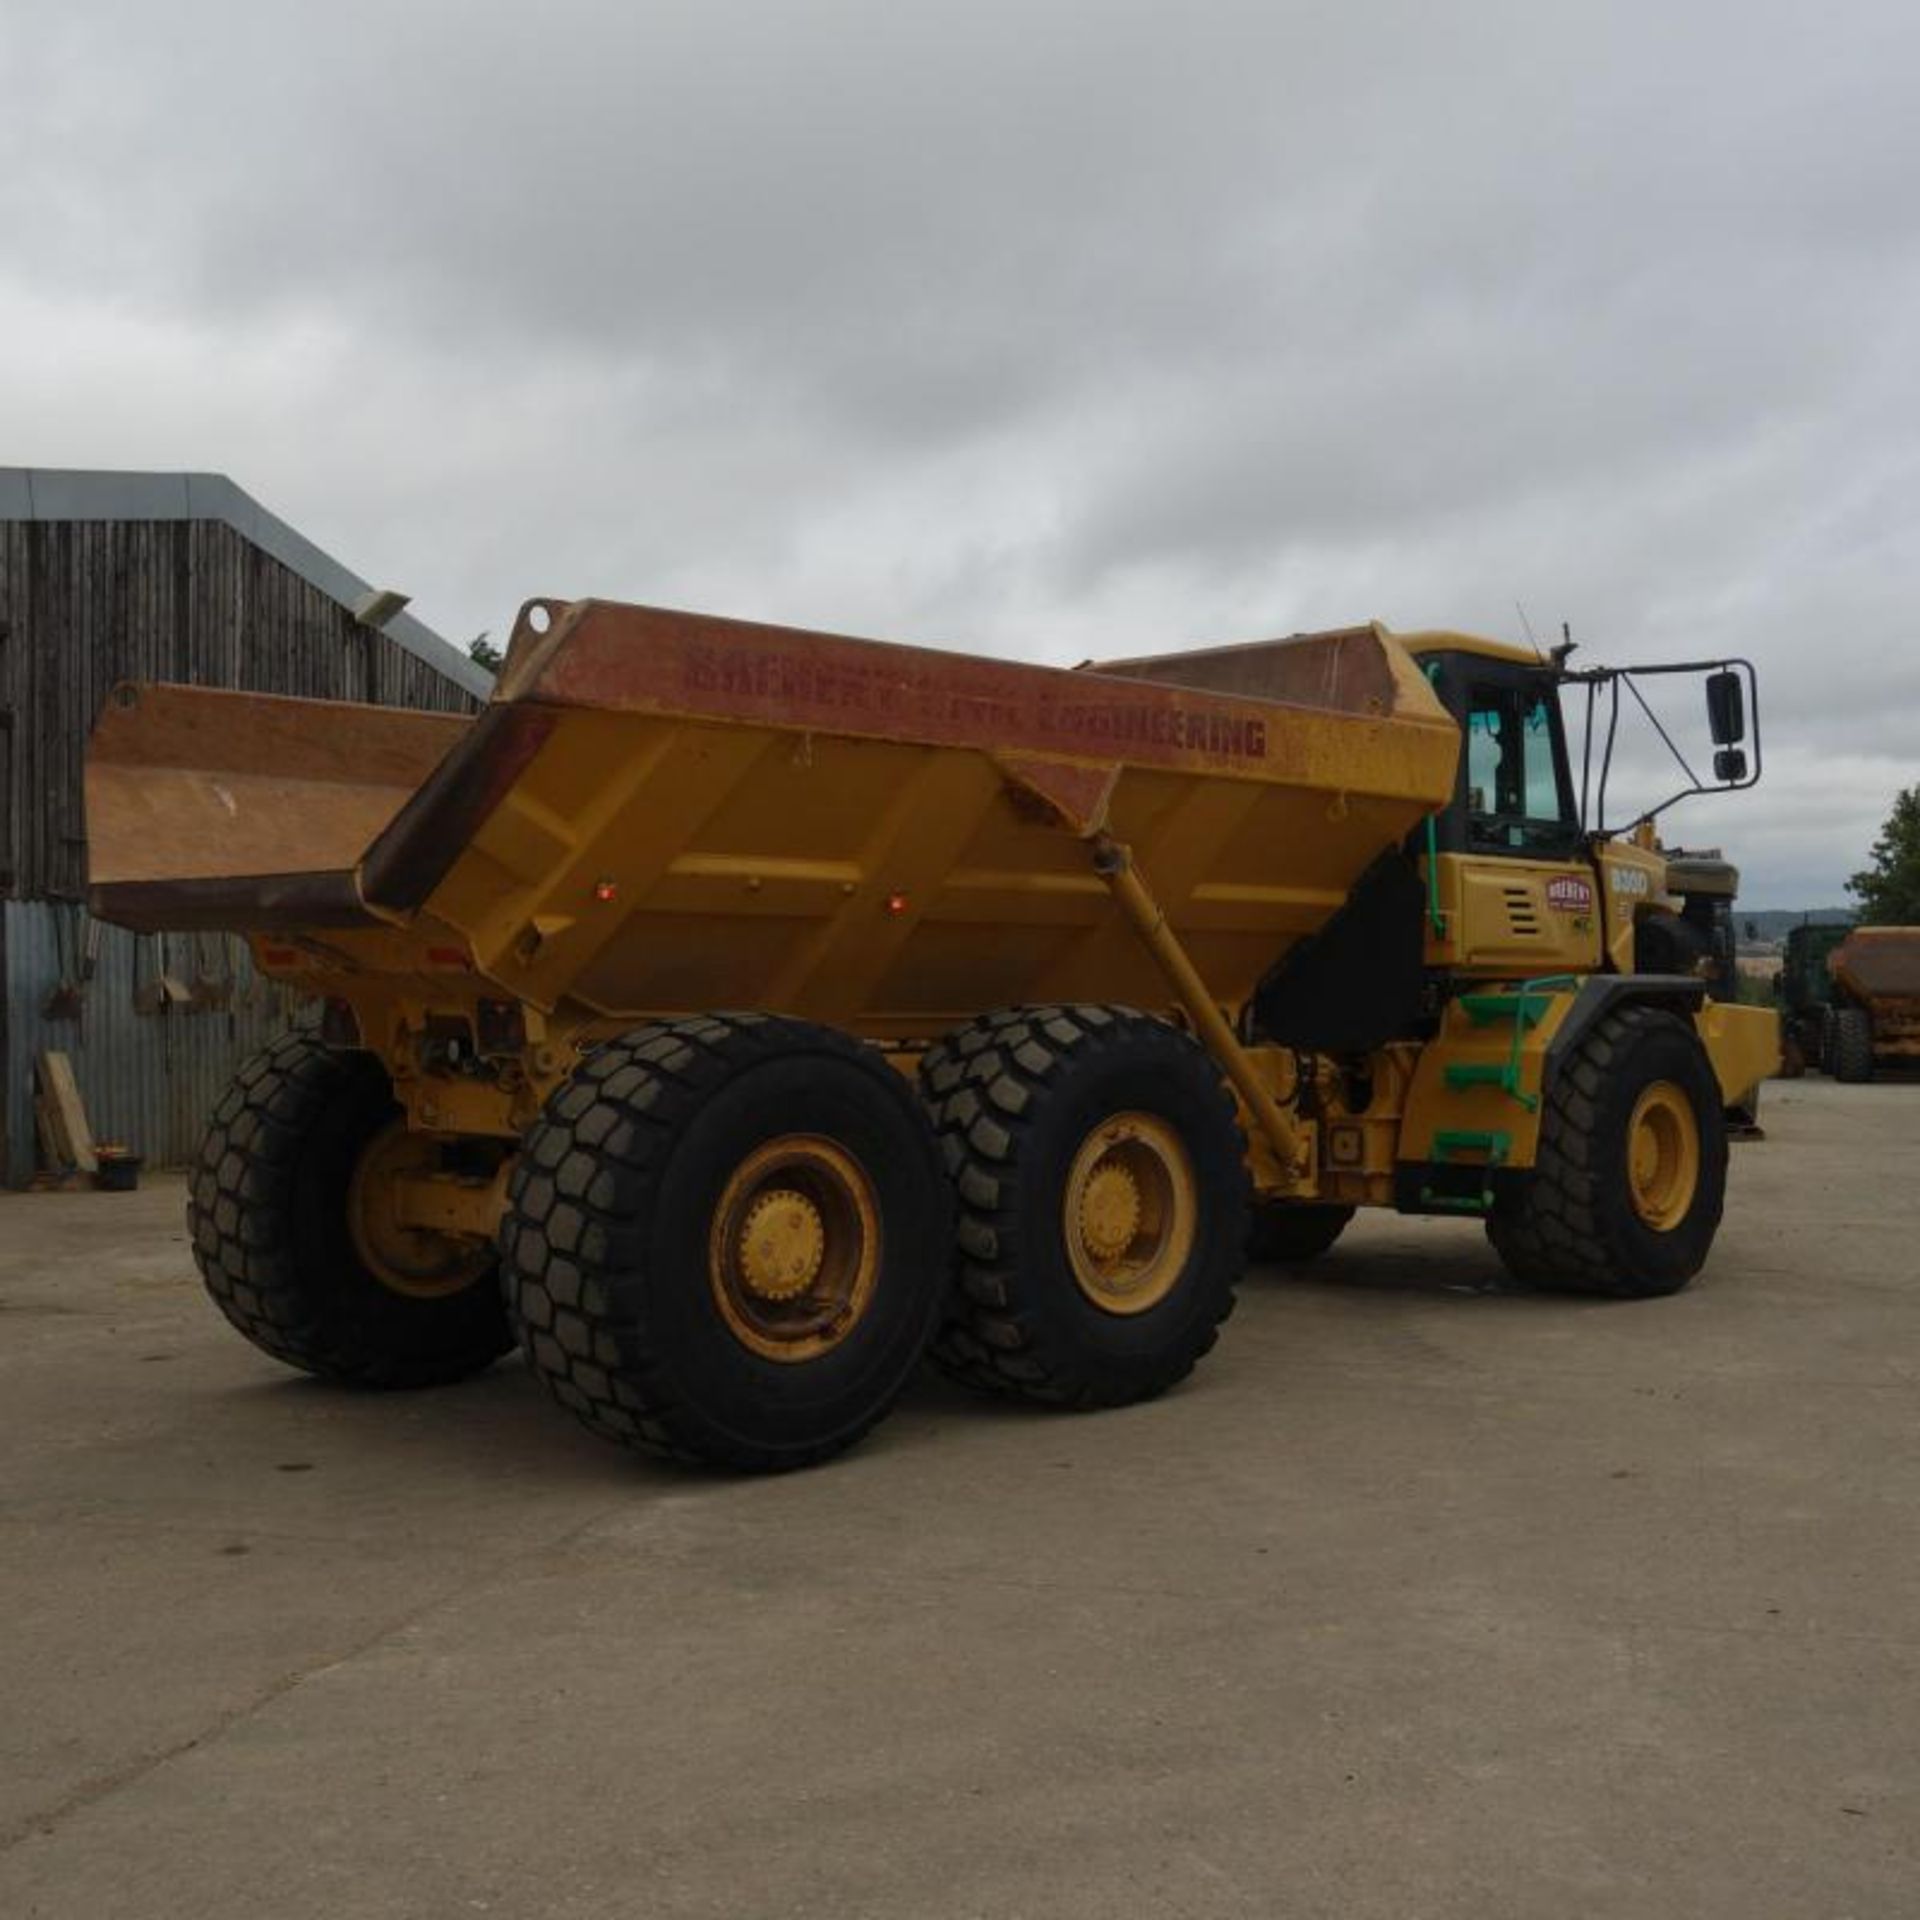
[(1419, 1600)]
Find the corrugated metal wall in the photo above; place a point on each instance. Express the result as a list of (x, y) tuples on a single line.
[(149, 1079), (85, 603)]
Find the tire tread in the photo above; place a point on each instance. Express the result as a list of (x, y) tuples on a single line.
[(1557, 1239), (240, 1197), (609, 1130), (983, 1085)]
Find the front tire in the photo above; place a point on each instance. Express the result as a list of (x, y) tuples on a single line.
[(284, 1212), (725, 1239), (1630, 1174), (1103, 1203)]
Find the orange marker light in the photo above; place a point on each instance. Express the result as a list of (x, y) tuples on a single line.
[(604, 890)]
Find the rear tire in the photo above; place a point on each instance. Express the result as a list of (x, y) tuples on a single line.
[(1121, 1122), (725, 1240), (1289, 1234), (1852, 1045), (269, 1213), (1630, 1174)]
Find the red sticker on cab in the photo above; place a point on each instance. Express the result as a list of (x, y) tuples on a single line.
[(1570, 893)]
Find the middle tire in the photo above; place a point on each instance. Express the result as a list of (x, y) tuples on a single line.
[(725, 1239), (1103, 1192)]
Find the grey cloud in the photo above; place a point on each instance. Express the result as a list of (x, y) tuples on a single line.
[(1053, 328)]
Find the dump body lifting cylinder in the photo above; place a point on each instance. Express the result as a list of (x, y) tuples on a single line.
[(1290, 1144)]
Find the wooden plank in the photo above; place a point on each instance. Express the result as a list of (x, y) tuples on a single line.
[(66, 1111)]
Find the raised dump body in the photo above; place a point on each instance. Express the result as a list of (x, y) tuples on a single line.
[(731, 1015), (660, 813)]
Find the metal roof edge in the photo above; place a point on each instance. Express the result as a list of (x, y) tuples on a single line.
[(99, 493)]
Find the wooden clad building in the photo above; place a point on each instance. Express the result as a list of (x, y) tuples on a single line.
[(117, 576)]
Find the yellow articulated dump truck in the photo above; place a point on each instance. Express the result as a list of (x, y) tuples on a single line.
[(730, 1016)]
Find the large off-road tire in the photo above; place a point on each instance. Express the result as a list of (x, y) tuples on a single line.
[(1852, 1045), (295, 1249), (1103, 1190), (1829, 1036), (725, 1240), (1291, 1233), (1631, 1170)]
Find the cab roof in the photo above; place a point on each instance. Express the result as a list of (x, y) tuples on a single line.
[(1439, 640)]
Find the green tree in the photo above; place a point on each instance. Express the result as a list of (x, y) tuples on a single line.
[(1889, 889), (483, 652)]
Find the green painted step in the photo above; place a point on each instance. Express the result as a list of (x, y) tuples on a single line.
[(1458, 1075), (1451, 1141), (1485, 1009), (1494, 1142), (1478, 1073)]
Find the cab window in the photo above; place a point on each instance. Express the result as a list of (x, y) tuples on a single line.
[(1516, 797)]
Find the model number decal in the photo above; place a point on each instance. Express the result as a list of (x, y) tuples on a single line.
[(1570, 893), (1631, 880)]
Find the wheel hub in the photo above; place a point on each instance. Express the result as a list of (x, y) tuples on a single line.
[(415, 1261), (793, 1254), (782, 1245), (1109, 1210), (1131, 1212), (1663, 1156)]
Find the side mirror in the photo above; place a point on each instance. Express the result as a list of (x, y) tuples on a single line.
[(1729, 766), (1727, 711)]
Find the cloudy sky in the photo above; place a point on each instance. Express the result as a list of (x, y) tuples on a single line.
[(1046, 329)]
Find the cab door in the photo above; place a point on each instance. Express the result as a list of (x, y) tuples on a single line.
[(1517, 892)]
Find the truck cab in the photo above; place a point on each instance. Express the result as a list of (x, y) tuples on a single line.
[(1517, 875)]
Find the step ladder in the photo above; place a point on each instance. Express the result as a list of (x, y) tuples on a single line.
[(1521, 1007)]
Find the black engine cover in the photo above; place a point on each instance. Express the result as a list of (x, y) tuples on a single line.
[(1359, 982)]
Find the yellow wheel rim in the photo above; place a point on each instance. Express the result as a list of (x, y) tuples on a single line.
[(405, 1259), (1663, 1156), (1130, 1212), (793, 1256)]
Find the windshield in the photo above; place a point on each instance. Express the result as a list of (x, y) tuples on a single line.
[(1516, 798)]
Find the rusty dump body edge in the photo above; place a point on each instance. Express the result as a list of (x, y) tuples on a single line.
[(663, 812), (1880, 964), (212, 808)]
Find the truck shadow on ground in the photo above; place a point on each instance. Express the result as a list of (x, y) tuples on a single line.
[(1470, 1270), (500, 1428), (497, 1425)]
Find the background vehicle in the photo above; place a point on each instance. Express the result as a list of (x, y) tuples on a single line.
[(1065, 986), (1804, 989), (1873, 1018)]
